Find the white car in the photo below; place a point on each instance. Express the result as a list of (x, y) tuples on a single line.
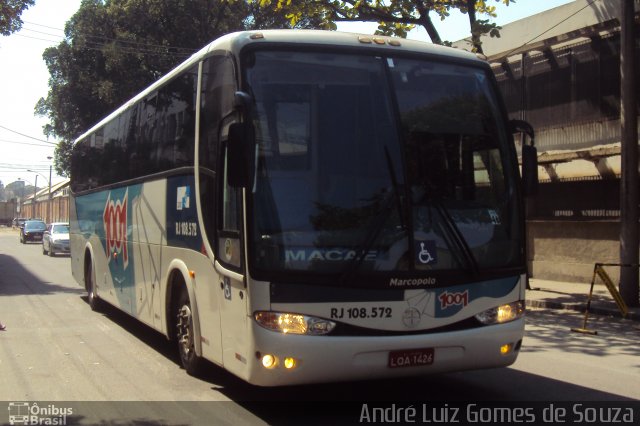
[(56, 239)]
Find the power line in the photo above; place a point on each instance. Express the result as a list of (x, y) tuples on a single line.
[(27, 136), (39, 38), (41, 25), (12, 167), (42, 32), (99, 46), (138, 43), (25, 143), (105, 38), (128, 46)]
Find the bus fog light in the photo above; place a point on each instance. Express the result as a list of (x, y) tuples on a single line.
[(289, 323), (269, 361), (289, 363), (501, 314), (506, 349)]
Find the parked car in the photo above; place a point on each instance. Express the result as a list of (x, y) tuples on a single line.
[(56, 239), (32, 231)]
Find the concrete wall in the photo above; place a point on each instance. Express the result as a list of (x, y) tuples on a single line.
[(57, 212), (567, 250)]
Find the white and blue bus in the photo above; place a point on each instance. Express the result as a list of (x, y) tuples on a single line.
[(302, 206)]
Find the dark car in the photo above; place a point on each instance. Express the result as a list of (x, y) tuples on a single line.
[(32, 231)]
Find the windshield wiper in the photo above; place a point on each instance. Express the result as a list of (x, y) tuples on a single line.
[(394, 182), (372, 236), (453, 231), (364, 248)]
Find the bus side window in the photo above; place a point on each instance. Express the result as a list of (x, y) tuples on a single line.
[(229, 247)]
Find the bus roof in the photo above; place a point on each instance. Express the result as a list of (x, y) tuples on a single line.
[(235, 42)]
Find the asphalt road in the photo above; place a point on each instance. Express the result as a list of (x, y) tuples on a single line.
[(56, 349)]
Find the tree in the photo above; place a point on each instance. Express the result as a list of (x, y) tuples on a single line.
[(396, 17), (115, 48), (10, 11), (18, 189)]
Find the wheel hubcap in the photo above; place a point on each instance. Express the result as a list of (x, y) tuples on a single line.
[(185, 336)]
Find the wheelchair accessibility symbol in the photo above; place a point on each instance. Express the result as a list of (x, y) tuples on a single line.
[(426, 252)]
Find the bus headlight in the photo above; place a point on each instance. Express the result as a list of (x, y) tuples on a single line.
[(501, 314), (284, 322)]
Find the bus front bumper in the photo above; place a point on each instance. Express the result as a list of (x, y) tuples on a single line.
[(295, 359)]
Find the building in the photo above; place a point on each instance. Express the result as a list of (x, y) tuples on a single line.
[(560, 70), (49, 209)]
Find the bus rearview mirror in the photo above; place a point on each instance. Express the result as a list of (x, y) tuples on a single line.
[(237, 158), (530, 169), (529, 156)]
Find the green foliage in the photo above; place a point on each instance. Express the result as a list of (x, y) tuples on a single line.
[(115, 48), (62, 157), (10, 11), (394, 17)]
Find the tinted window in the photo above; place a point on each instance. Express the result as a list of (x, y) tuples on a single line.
[(154, 135), (175, 122), (218, 88), (378, 164), (33, 225)]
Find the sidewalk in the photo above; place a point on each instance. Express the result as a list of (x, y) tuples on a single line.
[(573, 296)]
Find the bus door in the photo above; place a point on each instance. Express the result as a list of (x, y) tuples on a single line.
[(233, 302)]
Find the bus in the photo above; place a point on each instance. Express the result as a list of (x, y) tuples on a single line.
[(303, 206)]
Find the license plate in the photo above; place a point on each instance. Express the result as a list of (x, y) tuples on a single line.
[(37, 237), (411, 357)]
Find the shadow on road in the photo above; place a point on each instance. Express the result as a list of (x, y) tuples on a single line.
[(342, 403), (553, 328), (16, 280), (141, 331)]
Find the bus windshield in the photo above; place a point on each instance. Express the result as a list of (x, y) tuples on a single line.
[(369, 163)]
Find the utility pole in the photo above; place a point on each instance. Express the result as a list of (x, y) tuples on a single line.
[(33, 202), (49, 218), (629, 139), (49, 196)]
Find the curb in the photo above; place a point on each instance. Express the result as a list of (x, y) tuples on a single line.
[(581, 307)]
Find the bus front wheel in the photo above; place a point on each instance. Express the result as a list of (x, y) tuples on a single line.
[(185, 335)]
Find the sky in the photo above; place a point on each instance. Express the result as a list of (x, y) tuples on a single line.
[(24, 150)]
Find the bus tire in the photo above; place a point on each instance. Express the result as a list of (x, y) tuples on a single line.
[(90, 282), (185, 335)]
